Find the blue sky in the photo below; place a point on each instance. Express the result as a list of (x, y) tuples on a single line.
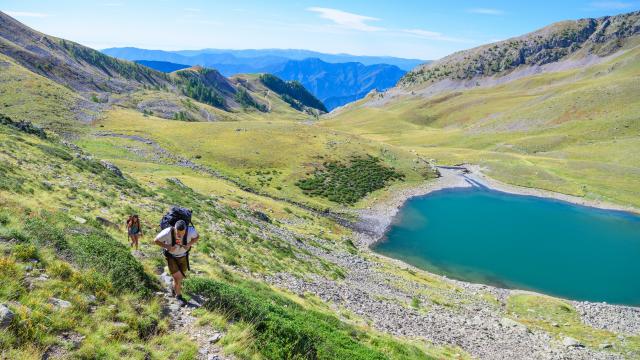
[(417, 29)]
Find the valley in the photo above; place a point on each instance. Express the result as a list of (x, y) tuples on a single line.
[(284, 268)]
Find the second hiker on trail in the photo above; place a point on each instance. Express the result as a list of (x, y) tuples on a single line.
[(134, 229), (176, 241)]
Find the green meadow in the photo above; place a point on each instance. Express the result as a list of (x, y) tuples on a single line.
[(574, 131)]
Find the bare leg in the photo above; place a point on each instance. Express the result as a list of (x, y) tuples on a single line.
[(177, 282), (135, 240)]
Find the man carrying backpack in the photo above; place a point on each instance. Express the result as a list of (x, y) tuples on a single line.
[(176, 241)]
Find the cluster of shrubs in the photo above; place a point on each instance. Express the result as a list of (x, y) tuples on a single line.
[(246, 101), (24, 126), (292, 92), (195, 88), (348, 183), (282, 328)]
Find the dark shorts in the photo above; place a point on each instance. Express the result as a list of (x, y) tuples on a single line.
[(134, 232), (177, 264)]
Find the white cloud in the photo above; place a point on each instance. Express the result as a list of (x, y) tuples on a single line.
[(25, 14), (486, 11), (611, 5), (432, 35), (346, 20)]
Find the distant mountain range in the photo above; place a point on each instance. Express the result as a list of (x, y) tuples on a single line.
[(339, 84), (231, 62), (163, 66), (334, 79)]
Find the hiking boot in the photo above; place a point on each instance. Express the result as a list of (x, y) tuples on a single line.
[(181, 299)]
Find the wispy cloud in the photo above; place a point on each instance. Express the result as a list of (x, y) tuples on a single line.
[(349, 21), (433, 35), (616, 5), (346, 20), (25, 14), (486, 11)]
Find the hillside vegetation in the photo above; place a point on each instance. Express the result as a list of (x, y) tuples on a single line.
[(79, 83), (55, 249), (560, 41)]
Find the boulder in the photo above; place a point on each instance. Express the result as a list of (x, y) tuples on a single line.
[(6, 316), (114, 169), (167, 280), (59, 303), (509, 323), (215, 338), (79, 220), (261, 216), (107, 222), (571, 342)]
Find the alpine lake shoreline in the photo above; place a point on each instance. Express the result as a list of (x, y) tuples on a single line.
[(375, 221)]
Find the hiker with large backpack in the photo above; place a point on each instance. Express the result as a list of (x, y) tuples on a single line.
[(177, 237)]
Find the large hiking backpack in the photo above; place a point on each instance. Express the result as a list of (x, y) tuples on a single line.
[(170, 219), (175, 213)]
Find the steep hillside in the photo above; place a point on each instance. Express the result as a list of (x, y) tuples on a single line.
[(292, 92), (72, 288), (557, 42), (65, 81), (337, 84), (566, 126), (71, 64)]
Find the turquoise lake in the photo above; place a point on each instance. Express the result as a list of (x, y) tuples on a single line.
[(520, 242)]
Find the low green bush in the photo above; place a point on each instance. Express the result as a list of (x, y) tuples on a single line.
[(25, 252), (348, 183), (283, 329), (102, 252), (44, 232), (56, 151)]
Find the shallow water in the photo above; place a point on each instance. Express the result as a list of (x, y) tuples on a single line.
[(484, 236)]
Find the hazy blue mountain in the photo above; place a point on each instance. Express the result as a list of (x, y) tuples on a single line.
[(338, 84), (251, 60), (334, 79), (163, 66)]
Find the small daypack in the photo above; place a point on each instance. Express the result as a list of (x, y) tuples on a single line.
[(169, 220)]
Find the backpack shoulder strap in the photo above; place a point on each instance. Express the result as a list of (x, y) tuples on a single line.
[(185, 237), (173, 236)]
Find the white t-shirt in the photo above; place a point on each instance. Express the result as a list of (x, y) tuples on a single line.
[(165, 237)]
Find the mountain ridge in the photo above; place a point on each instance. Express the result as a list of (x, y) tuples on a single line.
[(260, 60), (92, 82), (555, 42)]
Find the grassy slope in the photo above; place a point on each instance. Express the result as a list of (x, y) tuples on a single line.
[(124, 322), (26, 96), (239, 149), (575, 131)]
